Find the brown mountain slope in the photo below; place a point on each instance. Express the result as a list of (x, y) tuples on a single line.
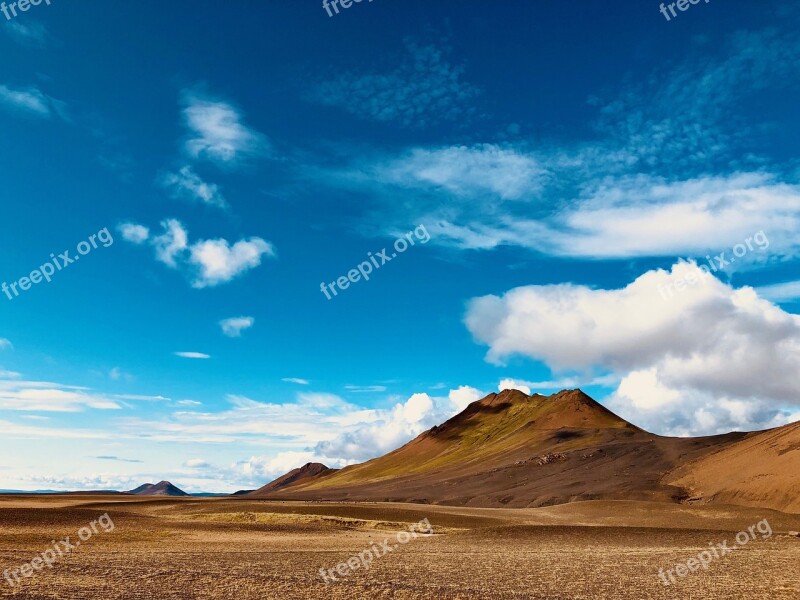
[(510, 449), (307, 472), (761, 470)]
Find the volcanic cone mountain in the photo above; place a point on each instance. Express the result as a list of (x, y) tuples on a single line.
[(162, 488), (511, 449), (306, 473)]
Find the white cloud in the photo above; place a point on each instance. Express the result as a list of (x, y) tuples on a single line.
[(469, 171), (296, 380), (141, 397), (134, 233), (188, 184), (173, 242), (5, 344), (219, 262), (709, 347), (463, 396), (42, 396), (234, 326), (365, 388), (29, 100), (192, 355), (217, 132), (211, 262), (263, 469), (513, 384)]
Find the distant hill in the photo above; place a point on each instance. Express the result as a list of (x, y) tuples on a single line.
[(305, 474), (511, 449), (162, 488)]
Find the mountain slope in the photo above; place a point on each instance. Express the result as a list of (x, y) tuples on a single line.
[(162, 488), (306, 473), (763, 469), (510, 449)]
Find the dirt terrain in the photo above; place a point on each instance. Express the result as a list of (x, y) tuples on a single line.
[(170, 548)]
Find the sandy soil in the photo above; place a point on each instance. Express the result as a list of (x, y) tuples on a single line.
[(220, 548)]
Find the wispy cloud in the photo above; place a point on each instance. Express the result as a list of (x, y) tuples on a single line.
[(296, 380), (118, 459), (41, 396), (426, 88), (29, 100), (188, 185), (365, 388), (234, 326), (607, 196), (5, 344), (781, 292), (29, 33), (199, 355), (217, 132)]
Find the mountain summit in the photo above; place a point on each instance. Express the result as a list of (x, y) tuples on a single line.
[(162, 488), (304, 474), (512, 449)]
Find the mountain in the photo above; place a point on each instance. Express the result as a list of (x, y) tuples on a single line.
[(511, 449), (306, 473), (763, 469), (162, 488)]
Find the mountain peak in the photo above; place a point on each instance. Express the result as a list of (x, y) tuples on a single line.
[(162, 488), (307, 472)]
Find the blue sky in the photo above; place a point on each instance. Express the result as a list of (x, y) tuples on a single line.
[(571, 168)]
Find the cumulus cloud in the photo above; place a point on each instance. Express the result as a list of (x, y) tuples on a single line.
[(513, 384), (234, 326), (189, 185), (710, 346), (209, 262), (217, 132), (463, 396), (134, 233), (218, 261)]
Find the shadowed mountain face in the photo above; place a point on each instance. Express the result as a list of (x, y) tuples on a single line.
[(306, 473), (162, 488), (511, 449)]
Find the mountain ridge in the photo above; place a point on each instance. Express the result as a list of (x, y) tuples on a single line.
[(518, 450)]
